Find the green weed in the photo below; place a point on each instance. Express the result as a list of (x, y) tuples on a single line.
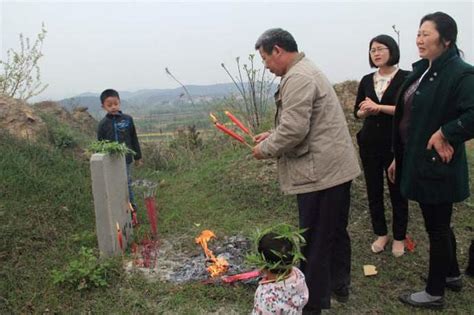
[(84, 272)]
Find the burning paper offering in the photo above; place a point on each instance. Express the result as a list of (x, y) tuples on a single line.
[(219, 265)]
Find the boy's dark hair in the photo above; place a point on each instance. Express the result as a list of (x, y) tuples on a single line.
[(392, 48), (108, 93), (276, 249), (276, 36)]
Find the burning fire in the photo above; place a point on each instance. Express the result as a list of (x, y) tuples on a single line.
[(218, 265)]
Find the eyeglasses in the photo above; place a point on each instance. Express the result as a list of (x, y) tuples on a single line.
[(378, 49)]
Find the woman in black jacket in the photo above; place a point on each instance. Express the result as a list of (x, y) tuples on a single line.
[(433, 120), (375, 104)]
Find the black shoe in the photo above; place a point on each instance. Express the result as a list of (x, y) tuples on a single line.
[(469, 272), (341, 295), (311, 311), (406, 298), (453, 285)]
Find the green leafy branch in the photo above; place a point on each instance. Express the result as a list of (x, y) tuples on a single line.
[(109, 147), (284, 231)]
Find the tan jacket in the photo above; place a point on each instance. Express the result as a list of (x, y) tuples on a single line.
[(311, 139)]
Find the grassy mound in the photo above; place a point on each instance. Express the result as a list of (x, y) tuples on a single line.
[(46, 216)]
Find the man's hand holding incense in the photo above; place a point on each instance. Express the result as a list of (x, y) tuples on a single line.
[(261, 136), (257, 153)]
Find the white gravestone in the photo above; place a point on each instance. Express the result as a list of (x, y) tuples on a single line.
[(111, 202)]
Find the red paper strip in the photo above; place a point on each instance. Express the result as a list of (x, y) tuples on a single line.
[(241, 276), (410, 244)]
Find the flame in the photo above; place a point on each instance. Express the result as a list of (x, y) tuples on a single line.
[(214, 119), (218, 265), (202, 240)]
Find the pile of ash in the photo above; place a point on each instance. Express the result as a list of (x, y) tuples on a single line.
[(177, 266)]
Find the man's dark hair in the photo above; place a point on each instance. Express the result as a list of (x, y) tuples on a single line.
[(276, 36), (445, 25), (108, 93), (276, 248), (392, 48)]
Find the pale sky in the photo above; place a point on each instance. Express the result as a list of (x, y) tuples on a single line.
[(126, 45)]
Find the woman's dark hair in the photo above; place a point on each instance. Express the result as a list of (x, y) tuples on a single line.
[(276, 248), (445, 25), (276, 36), (392, 48)]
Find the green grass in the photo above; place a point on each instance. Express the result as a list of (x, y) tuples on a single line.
[(46, 215)]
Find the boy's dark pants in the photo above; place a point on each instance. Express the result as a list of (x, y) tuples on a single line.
[(328, 250)]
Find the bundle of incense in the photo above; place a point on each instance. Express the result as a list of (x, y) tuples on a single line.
[(228, 131), (238, 123)]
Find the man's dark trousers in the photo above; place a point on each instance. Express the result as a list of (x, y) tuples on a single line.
[(328, 250)]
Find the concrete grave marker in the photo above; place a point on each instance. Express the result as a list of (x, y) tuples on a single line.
[(110, 190)]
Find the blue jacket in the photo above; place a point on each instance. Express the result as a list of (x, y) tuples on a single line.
[(120, 128)]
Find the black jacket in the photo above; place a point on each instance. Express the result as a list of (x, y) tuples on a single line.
[(444, 99), (120, 128), (375, 135)]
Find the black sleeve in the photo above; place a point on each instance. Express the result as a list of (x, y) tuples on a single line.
[(360, 96), (134, 140)]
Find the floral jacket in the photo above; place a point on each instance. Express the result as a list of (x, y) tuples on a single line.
[(285, 297)]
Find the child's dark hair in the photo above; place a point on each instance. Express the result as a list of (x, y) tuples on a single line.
[(108, 93), (276, 249)]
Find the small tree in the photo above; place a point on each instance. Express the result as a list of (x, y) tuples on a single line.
[(255, 92), (398, 34), (20, 73), (182, 85)]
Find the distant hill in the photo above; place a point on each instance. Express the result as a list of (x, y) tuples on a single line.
[(141, 99), (171, 100)]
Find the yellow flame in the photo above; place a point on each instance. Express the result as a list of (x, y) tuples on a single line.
[(202, 240), (213, 117), (219, 265)]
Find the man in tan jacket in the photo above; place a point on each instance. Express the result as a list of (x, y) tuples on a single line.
[(316, 162)]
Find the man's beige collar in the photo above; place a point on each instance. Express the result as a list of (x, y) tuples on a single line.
[(297, 59)]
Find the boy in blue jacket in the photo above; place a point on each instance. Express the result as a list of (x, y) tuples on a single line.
[(117, 126)]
